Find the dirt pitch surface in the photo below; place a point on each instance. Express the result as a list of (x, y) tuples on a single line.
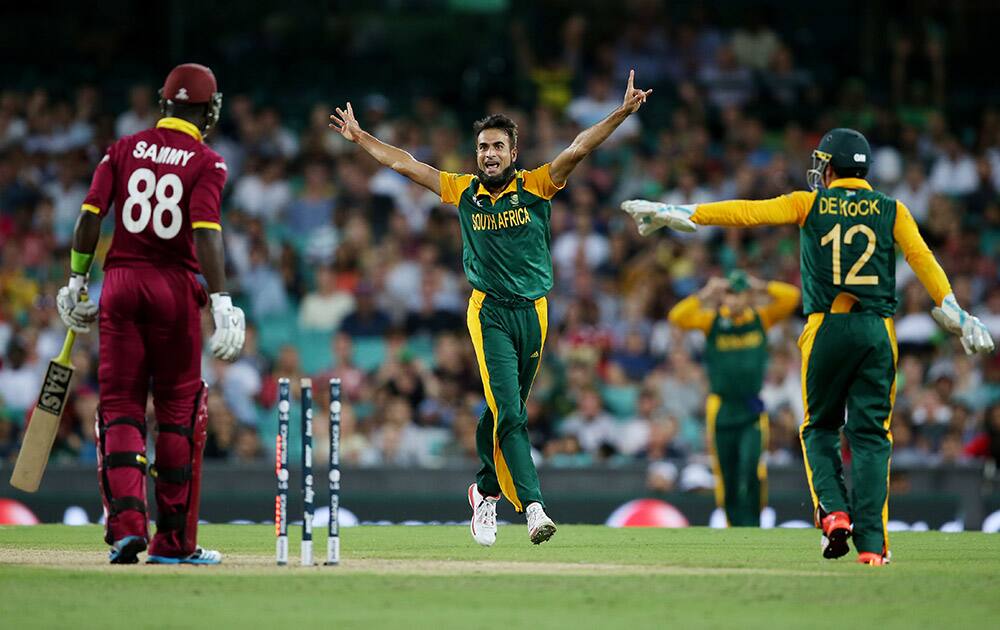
[(249, 564)]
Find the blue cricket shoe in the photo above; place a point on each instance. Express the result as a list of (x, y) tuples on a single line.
[(200, 556)]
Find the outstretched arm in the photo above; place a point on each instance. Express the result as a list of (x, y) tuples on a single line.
[(387, 155), (591, 138), (650, 216)]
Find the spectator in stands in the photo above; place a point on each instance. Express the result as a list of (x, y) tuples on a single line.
[(682, 387), (222, 427), (754, 42), (986, 444), (600, 98), (429, 319), (914, 325), (954, 171), (247, 447), (264, 286), (326, 307), (367, 320), (590, 424), (140, 115), (264, 192), (67, 192), (633, 436), (581, 248), (787, 86), (915, 191), (352, 379), (313, 206), (394, 251), (20, 379), (726, 82), (273, 139)]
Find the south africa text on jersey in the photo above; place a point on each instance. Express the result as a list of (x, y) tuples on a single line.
[(501, 220)]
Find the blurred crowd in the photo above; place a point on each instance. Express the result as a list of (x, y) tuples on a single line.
[(346, 269)]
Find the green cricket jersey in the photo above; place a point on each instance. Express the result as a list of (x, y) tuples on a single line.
[(505, 237), (847, 246), (736, 355)]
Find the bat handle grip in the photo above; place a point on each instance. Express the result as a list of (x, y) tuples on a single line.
[(67, 348)]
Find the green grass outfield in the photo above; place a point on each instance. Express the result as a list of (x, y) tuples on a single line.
[(53, 576)]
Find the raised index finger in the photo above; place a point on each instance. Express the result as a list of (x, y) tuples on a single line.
[(631, 78)]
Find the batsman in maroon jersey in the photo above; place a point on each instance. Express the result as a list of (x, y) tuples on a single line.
[(165, 185)]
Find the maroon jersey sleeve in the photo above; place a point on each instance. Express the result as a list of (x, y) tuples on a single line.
[(102, 186), (206, 197)]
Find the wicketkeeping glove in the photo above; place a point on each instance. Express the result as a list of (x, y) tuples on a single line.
[(230, 328), (651, 216), (76, 311), (974, 335)]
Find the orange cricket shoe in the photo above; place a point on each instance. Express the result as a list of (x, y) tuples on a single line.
[(872, 559), (836, 531)]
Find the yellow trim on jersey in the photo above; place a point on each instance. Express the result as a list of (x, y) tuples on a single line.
[(452, 185), (538, 182), (712, 405), (918, 255), (784, 299), (688, 313), (499, 463), (179, 124), (850, 182), (88, 207), (743, 317), (765, 437), (806, 341), (208, 225), (890, 327), (789, 209), (843, 303), (542, 311), (510, 188)]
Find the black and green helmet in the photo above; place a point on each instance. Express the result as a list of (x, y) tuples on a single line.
[(846, 150)]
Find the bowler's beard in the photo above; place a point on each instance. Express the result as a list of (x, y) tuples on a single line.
[(496, 182)]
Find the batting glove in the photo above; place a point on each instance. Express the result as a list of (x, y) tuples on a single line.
[(230, 328), (974, 335), (76, 311), (650, 216)]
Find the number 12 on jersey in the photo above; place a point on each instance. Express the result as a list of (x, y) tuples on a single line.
[(833, 237), (166, 204)]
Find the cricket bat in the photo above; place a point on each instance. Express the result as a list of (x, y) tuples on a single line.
[(44, 423)]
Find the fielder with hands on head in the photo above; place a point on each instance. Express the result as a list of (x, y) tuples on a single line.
[(848, 238), (166, 185), (735, 314), (504, 215)]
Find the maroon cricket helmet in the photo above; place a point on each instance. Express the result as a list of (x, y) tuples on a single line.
[(192, 84)]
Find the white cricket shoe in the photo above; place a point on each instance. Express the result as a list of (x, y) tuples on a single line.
[(540, 526), (484, 517)]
